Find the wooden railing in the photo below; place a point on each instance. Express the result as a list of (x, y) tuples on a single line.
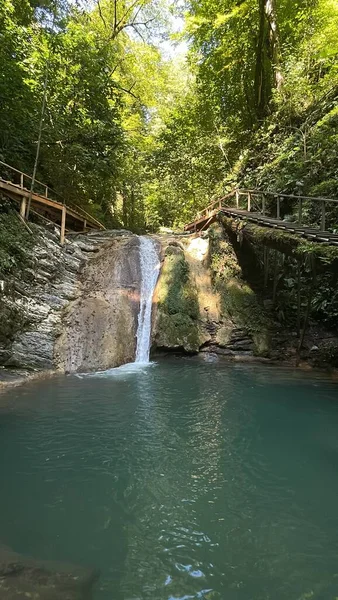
[(258, 199), (42, 192), (20, 179), (262, 196)]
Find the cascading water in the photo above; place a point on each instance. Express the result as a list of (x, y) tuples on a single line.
[(150, 266)]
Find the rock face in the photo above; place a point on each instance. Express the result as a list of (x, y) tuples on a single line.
[(192, 313), (60, 304), (99, 327), (22, 577)]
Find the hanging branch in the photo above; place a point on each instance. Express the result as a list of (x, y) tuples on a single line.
[(42, 116)]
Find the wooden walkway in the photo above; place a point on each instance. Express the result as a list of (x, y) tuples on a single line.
[(69, 219), (209, 215)]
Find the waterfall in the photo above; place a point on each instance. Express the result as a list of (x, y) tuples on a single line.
[(150, 266)]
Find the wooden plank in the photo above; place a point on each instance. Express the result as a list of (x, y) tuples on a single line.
[(300, 210), (278, 207), (309, 233), (63, 225)]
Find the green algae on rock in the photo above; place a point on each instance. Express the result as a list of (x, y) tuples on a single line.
[(176, 323)]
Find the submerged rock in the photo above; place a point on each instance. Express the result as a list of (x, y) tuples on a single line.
[(22, 577)]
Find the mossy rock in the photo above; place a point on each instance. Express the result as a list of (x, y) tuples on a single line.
[(177, 304), (177, 331), (238, 301)]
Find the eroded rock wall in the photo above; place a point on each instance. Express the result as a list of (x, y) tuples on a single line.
[(99, 327), (74, 307)]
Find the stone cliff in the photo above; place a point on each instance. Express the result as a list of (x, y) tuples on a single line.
[(99, 327), (74, 307), (202, 305)]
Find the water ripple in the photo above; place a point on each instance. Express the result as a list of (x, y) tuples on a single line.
[(188, 480)]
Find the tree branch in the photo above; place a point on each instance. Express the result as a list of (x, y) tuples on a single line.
[(100, 13)]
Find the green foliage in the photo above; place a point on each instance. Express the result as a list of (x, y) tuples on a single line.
[(143, 141), (104, 86), (296, 264)]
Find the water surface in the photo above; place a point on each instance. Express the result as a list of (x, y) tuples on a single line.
[(180, 480)]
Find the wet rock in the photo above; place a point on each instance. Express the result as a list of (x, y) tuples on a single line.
[(37, 301), (99, 328)]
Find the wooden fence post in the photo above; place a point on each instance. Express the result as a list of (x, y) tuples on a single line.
[(21, 181), (84, 225), (23, 207), (278, 207), (263, 204), (322, 222), (300, 210), (237, 199), (63, 225), (46, 194), (249, 201)]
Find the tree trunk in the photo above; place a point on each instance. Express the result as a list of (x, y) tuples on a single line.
[(267, 70), (274, 43), (259, 71)]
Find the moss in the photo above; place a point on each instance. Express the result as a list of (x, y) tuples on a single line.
[(178, 312), (177, 331), (288, 243), (178, 293)]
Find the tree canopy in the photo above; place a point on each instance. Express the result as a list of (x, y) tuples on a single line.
[(141, 138)]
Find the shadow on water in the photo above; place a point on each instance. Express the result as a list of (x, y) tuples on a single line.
[(177, 479)]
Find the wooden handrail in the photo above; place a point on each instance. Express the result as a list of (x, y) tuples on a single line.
[(65, 209), (262, 194), (24, 174), (282, 195), (88, 215)]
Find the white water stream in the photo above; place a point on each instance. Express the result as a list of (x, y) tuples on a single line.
[(150, 267)]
